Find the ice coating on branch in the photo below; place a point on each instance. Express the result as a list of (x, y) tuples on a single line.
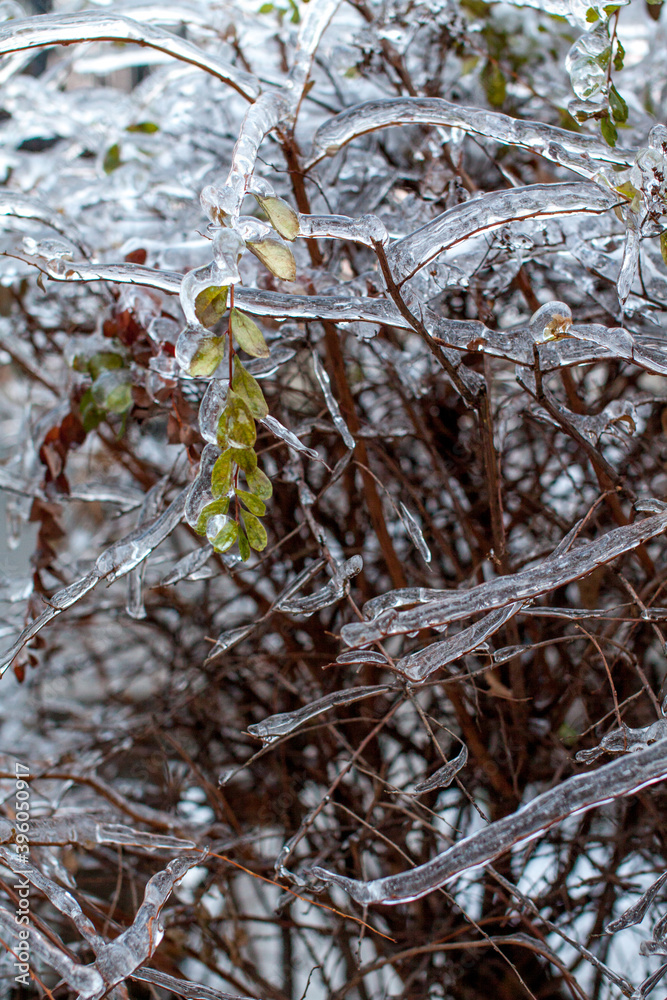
[(199, 280), (581, 153), (420, 665), (367, 230), (576, 795), (211, 407), (443, 777), (322, 377), (224, 202), (314, 21), (333, 591), (119, 958), (199, 493), (586, 62), (122, 557), (88, 26), (489, 212), (148, 511), (541, 579), (23, 206), (577, 12), (625, 740), (183, 987), (85, 979), (228, 248), (287, 722), (189, 567)]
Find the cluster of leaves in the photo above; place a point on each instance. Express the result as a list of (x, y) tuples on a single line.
[(236, 437)]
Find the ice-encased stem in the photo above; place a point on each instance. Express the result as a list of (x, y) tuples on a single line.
[(90, 26), (552, 573), (420, 665), (581, 153), (576, 795), (315, 18), (367, 229), (262, 116), (491, 211), (286, 722), (84, 979)]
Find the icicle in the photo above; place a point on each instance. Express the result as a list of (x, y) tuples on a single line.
[(443, 777), (325, 385)]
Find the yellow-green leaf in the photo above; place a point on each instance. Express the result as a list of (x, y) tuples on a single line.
[(255, 530), (207, 357), (147, 127), (253, 503), (282, 216), (244, 548), (663, 246), (259, 484), (245, 458), (221, 476), (248, 388), (241, 432), (211, 304), (111, 159), (226, 537), (276, 256), (248, 335)]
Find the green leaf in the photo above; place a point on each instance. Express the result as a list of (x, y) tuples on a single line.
[(91, 415), (663, 247), (221, 476), (282, 216), (259, 484), (119, 399), (226, 537), (211, 304), (244, 548), (257, 536), (620, 56), (619, 108), (245, 458), (248, 388), (101, 362), (494, 84), (276, 256), (111, 159), (266, 8), (220, 506), (253, 503), (248, 335), (592, 15), (207, 357), (210, 510), (241, 431), (147, 127), (609, 133)]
